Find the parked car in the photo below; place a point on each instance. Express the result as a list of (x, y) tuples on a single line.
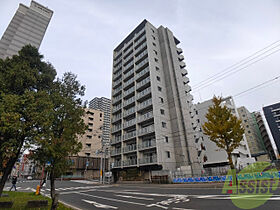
[(29, 178)]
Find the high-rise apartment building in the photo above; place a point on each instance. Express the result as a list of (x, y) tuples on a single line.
[(214, 158), (28, 26), (153, 125), (265, 136), (272, 116), (103, 104), (252, 134), (92, 139)]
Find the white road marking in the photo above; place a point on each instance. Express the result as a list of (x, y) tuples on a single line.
[(157, 205), (99, 205), (140, 198), (181, 208), (85, 181), (112, 199)]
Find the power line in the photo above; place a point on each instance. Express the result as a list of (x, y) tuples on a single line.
[(241, 62)]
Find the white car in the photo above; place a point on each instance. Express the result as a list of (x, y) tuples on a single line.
[(29, 178)]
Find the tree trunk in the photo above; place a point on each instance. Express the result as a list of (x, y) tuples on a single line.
[(233, 172), (53, 195), (8, 169), (230, 161)]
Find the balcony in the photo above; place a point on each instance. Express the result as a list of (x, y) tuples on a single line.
[(148, 160), (116, 152), (129, 123), (184, 72), (128, 51), (129, 135), (117, 54), (117, 82), (142, 74), (116, 91), (186, 80), (181, 58), (128, 66), (116, 108), (189, 98), (142, 64), (139, 34), (131, 162), (116, 128), (116, 61), (116, 164), (139, 41), (188, 88), (143, 93), (117, 75), (145, 117), (140, 49), (147, 144), (179, 51), (117, 99), (129, 92), (116, 118), (128, 74), (128, 58), (146, 130), (129, 112), (130, 148), (143, 84), (141, 56), (145, 104), (129, 102), (182, 64), (128, 83), (116, 140)]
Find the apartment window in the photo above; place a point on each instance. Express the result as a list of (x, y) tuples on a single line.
[(249, 131), (198, 120), (159, 88), (155, 52), (158, 78), (152, 30), (162, 111), (245, 120), (157, 68), (154, 38), (168, 154), (166, 139), (90, 124), (161, 99), (87, 154), (156, 60), (90, 130), (89, 137), (90, 118), (154, 44), (100, 114), (163, 124), (88, 145), (99, 137)]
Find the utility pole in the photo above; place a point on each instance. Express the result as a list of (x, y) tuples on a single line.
[(101, 168)]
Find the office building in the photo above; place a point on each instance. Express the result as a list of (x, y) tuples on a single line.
[(28, 26), (265, 136), (215, 160), (103, 104), (152, 125), (253, 134), (272, 116)]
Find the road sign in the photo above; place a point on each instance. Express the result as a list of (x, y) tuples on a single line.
[(108, 174)]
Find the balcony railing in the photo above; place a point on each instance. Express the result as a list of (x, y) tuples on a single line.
[(142, 63), (184, 72), (142, 73), (129, 101), (129, 91), (117, 75), (130, 162), (143, 82), (130, 148), (127, 58), (139, 41), (116, 140), (141, 55), (139, 33), (117, 108), (182, 64), (129, 50), (117, 99), (144, 104), (129, 123), (116, 118), (128, 82), (116, 128), (117, 82), (140, 48), (115, 91), (129, 135), (127, 74), (143, 93), (128, 66), (148, 160), (146, 116), (117, 164), (116, 152), (146, 130), (179, 51), (129, 112), (147, 144)]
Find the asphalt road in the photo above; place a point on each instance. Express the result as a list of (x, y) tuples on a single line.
[(91, 195)]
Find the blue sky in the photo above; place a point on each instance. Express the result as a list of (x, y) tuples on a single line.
[(214, 35)]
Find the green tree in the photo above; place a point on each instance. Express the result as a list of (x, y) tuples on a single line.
[(61, 138), (24, 83), (223, 128)]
